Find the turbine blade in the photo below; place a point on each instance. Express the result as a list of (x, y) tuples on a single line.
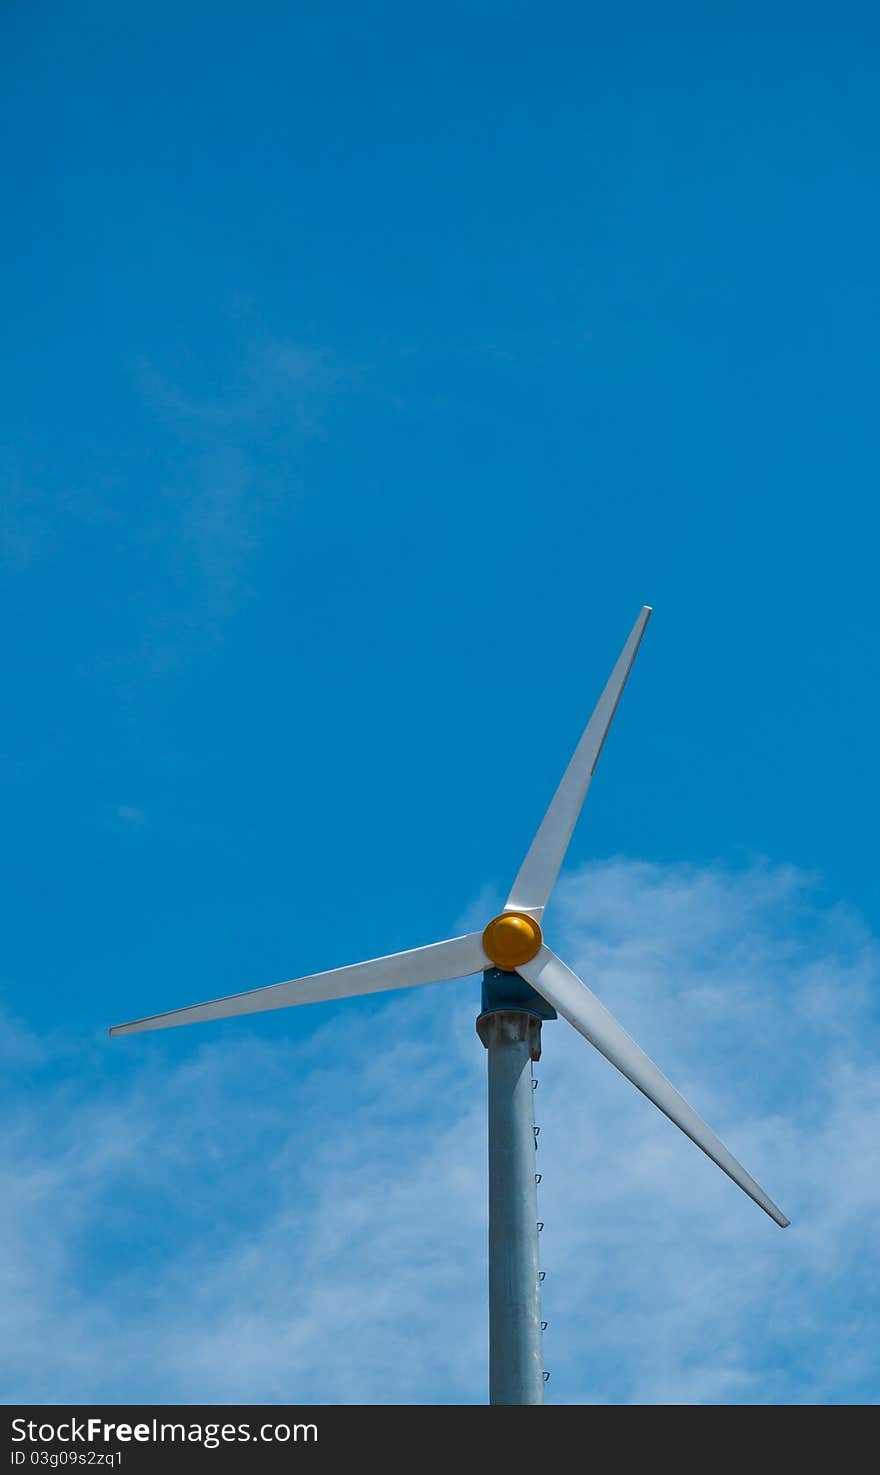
[(571, 998), (440, 960), (538, 872)]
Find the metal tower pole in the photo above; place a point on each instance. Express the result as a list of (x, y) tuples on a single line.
[(510, 1029)]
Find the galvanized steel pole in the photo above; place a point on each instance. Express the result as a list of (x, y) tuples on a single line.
[(510, 1028)]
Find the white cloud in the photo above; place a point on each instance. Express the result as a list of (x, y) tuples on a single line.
[(264, 1220)]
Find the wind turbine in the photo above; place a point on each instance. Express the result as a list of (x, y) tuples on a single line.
[(524, 983)]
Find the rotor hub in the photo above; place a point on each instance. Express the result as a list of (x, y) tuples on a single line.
[(512, 938)]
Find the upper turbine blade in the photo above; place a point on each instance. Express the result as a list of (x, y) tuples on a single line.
[(538, 872), (571, 998), (453, 959)]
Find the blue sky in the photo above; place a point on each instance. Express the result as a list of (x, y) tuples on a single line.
[(366, 369)]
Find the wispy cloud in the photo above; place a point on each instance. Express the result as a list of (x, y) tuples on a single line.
[(256, 1222), (20, 526), (235, 436), (131, 817)]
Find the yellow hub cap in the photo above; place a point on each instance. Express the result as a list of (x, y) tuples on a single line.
[(512, 939)]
